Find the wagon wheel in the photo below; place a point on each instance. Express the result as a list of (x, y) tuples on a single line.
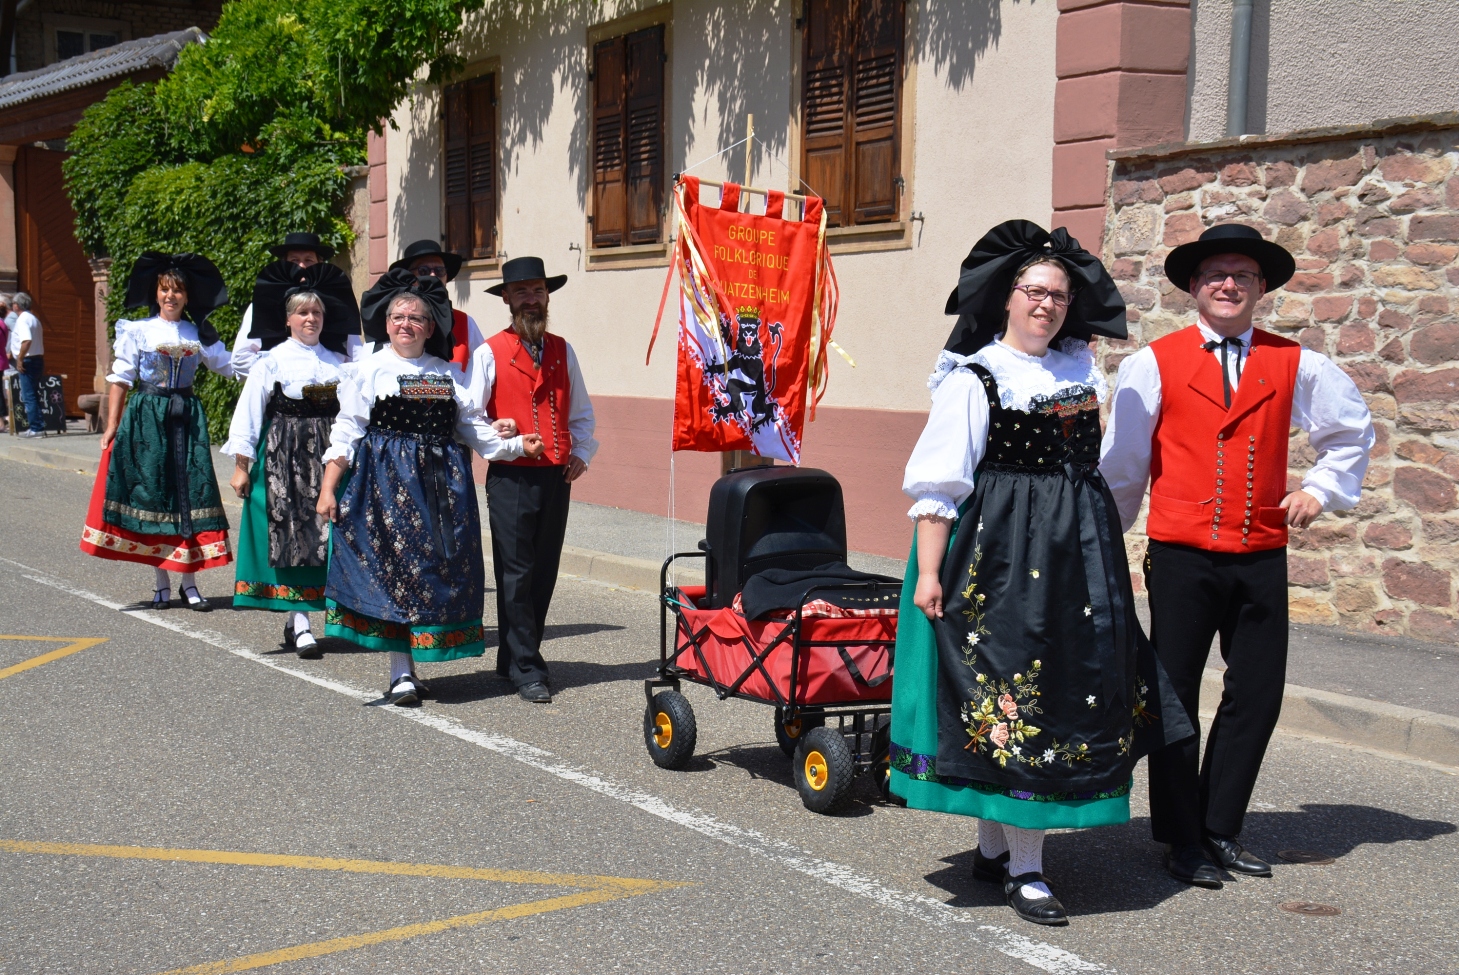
[(669, 730), (788, 733), (823, 769)]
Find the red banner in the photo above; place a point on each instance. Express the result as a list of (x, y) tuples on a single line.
[(757, 296)]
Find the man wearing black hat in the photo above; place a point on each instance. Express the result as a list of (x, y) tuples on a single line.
[(1202, 416), (531, 375), (300, 249), (424, 258)]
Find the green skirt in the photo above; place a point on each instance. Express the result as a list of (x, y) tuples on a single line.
[(914, 746), (259, 585), (425, 644)]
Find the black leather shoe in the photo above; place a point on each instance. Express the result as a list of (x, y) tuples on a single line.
[(194, 600), (990, 870), (160, 599), (535, 693), (289, 633), (1188, 863), (1039, 910), (1231, 855), (403, 693)]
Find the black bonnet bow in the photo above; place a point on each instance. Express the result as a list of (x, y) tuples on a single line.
[(987, 279), (206, 292), (393, 283), (278, 281)]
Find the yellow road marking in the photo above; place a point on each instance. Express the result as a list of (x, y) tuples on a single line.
[(595, 889), (73, 646)]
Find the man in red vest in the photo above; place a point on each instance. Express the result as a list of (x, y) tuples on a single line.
[(1203, 415), (424, 258), (531, 375)]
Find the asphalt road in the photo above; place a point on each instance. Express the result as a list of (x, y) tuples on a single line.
[(185, 797)]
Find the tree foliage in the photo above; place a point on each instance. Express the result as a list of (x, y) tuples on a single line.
[(247, 138)]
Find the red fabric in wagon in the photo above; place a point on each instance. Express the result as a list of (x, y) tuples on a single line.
[(854, 667)]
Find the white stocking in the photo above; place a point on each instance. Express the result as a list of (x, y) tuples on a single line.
[(164, 581), (187, 581), (1026, 855), (301, 623), (991, 840), (399, 665)]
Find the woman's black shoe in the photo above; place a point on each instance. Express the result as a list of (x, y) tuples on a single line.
[(195, 602), (1188, 863), (160, 599), (289, 633), (403, 693), (990, 870), (1231, 855), (1039, 910)]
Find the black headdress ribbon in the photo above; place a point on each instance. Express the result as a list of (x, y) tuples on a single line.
[(376, 302), (280, 280), (206, 292), (987, 278)]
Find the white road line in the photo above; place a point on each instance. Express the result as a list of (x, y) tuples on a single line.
[(1039, 954)]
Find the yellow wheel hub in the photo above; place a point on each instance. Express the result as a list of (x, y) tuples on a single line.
[(816, 772), (663, 730), (792, 728)]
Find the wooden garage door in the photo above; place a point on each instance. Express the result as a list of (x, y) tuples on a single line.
[(54, 270)]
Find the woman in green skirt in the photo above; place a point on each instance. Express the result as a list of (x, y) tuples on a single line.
[(1025, 690), (278, 437)]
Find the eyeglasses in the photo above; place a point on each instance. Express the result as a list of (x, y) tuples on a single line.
[(1245, 280), (417, 320), (1037, 294), (431, 270)]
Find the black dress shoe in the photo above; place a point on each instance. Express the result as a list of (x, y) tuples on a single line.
[(990, 870), (1231, 855), (535, 693), (1188, 863), (403, 693), (289, 633), (160, 599), (194, 601), (1039, 910)]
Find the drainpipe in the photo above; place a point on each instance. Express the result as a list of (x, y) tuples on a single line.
[(1240, 71)]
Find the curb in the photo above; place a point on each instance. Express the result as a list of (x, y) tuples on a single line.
[(1387, 728), (1390, 728)]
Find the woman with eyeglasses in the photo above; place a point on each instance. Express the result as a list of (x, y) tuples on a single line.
[(405, 571), (1025, 690), (303, 321)]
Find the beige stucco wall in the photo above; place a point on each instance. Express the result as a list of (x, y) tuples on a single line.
[(1326, 62), (981, 97)]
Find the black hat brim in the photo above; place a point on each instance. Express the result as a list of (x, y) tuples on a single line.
[(1277, 265), (324, 251), (452, 262), (553, 283)]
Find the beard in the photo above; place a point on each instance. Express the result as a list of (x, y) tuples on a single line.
[(530, 322)]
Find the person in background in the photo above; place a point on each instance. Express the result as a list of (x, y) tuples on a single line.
[(4, 362), (30, 359)]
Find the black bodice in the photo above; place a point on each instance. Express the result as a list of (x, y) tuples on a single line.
[(433, 416), (317, 401), (1055, 431)]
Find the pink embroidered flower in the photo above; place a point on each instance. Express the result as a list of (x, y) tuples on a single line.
[(999, 735), (1006, 705)]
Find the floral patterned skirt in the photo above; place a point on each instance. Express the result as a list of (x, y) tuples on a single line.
[(259, 584), (405, 565)]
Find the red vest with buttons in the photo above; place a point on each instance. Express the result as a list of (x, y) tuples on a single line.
[(1218, 476), (539, 399), (460, 339)]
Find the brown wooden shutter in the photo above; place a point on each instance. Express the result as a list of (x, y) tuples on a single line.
[(481, 99), (458, 183), (644, 125), (876, 90), (609, 169), (824, 164)]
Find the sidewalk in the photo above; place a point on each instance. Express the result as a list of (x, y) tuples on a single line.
[(1391, 694)]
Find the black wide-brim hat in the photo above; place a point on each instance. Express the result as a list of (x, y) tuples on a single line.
[(526, 269), (986, 281), (206, 292), (1277, 265), (429, 248), (302, 242), (399, 281), (278, 281)]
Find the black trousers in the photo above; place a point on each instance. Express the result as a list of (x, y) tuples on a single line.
[(527, 510), (1195, 595)]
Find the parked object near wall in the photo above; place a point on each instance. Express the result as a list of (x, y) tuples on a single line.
[(1372, 215)]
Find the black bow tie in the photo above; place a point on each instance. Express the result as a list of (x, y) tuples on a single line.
[(1224, 345)]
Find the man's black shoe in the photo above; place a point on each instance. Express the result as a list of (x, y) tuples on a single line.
[(535, 693), (1188, 863), (990, 870), (1039, 910), (1231, 855)]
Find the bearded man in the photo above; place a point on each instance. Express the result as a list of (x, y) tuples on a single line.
[(531, 375)]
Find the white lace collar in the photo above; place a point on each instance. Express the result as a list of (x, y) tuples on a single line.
[(1025, 379)]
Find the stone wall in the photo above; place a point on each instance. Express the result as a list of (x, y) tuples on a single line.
[(1372, 215)]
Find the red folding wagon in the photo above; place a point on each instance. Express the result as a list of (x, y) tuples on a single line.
[(814, 639)]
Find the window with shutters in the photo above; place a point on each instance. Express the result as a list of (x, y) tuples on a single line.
[(851, 104), (470, 167), (628, 138)]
